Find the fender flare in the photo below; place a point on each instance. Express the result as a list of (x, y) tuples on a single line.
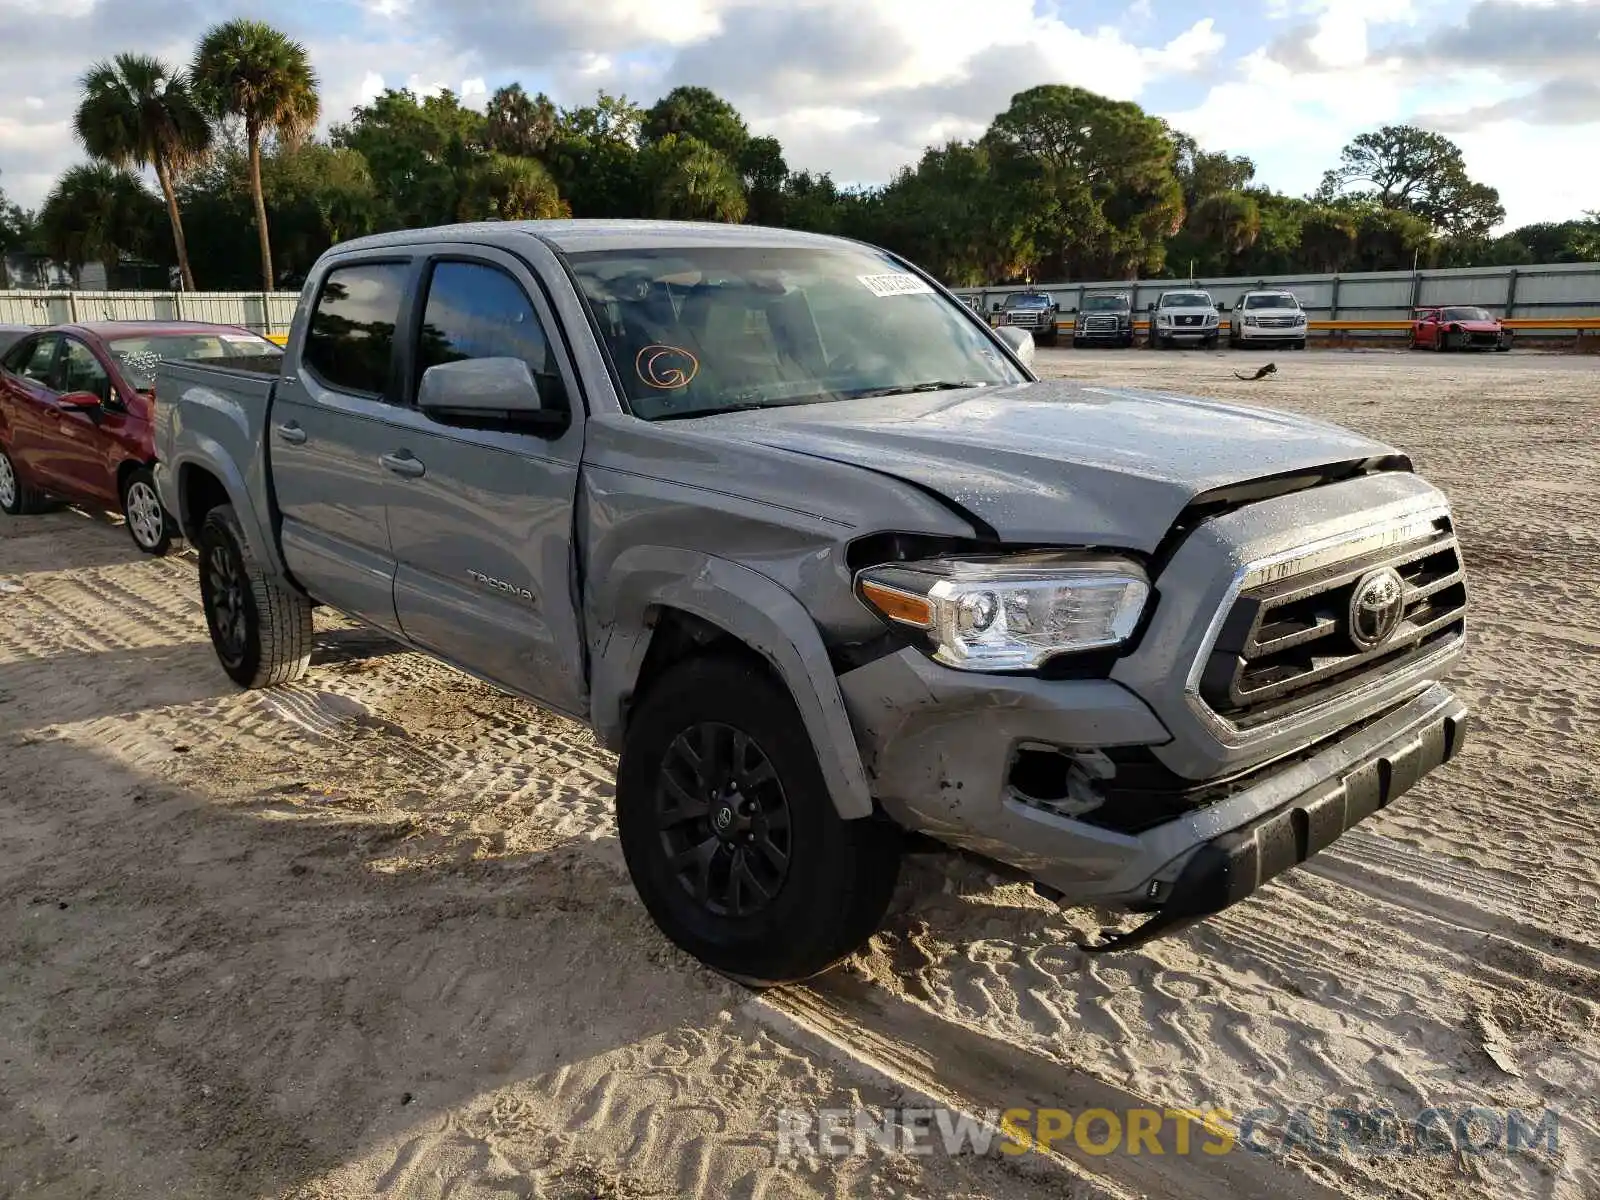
[(748, 606), (206, 454)]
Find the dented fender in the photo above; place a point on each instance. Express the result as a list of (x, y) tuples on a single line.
[(747, 605)]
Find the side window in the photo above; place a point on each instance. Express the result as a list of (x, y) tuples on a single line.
[(33, 361), (478, 311), (80, 371), (350, 342), (16, 357)]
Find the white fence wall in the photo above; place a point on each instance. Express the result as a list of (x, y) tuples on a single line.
[(264, 312), (1554, 291)]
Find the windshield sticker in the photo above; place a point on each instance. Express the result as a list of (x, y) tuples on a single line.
[(899, 284), (666, 367)]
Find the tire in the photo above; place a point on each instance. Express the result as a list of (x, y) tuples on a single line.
[(1211, 342), (149, 525), (1300, 344), (260, 629), (1441, 341), (1127, 342), (17, 498), (836, 877), (1411, 340)]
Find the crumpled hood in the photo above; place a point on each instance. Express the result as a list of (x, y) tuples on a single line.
[(1055, 462)]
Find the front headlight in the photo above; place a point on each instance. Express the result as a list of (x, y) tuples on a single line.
[(1012, 613), (1299, 318), (1250, 321)]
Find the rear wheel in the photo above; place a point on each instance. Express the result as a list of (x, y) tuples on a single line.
[(148, 524), (17, 499), (729, 832), (260, 629)]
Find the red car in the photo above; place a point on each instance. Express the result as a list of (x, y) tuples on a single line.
[(1458, 327), (76, 405)]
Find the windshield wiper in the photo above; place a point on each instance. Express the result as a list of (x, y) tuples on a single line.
[(907, 389)]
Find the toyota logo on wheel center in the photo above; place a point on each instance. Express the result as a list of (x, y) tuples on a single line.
[(1377, 606)]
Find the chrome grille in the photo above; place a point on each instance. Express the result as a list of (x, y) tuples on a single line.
[(1286, 643), (1028, 317), (1100, 324)]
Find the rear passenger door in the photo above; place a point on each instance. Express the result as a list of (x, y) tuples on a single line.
[(482, 529), (327, 435), (29, 396)]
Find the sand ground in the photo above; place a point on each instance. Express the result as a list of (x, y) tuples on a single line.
[(372, 934)]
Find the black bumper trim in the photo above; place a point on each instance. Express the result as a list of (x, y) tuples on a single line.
[(1229, 868)]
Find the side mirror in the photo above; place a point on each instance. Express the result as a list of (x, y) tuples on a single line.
[(1152, 306), (1019, 341), (80, 401), (1073, 309), (996, 306), (489, 393), (1221, 307)]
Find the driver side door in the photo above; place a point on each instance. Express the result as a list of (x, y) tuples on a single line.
[(83, 440)]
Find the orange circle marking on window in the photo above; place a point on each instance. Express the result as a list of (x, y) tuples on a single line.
[(666, 367)]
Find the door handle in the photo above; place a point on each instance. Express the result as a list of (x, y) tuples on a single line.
[(405, 464), (292, 434)]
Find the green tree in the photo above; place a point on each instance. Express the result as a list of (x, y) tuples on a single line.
[(1104, 174), (519, 124), (1414, 170), (421, 153), (318, 195), (1328, 238), (698, 113), (512, 189), (250, 71), (97, 213), (138, 112), (1203, 173), (954, 217), (763, 171), (16, 226), (1586, 239), (594, 157), (691, 181), (1228, 224)]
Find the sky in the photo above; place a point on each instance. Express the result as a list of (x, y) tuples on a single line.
[(859, 89)]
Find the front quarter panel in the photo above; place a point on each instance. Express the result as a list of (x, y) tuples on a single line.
[(748, 538)]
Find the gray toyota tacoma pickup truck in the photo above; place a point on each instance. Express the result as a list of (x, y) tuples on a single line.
[(806, 542)]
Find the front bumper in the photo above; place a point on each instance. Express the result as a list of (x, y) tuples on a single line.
[(940, 745), (1123, 334), (1186, 333), (1271, 333)]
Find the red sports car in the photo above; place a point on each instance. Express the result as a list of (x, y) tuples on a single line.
[(76, 406), (1458, 328)]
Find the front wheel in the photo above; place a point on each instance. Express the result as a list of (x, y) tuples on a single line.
[(1300, 343), (1441, 341), (148, 524), (260, 629), (729, 832)]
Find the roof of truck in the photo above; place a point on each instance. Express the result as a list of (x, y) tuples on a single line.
[(578, 236)]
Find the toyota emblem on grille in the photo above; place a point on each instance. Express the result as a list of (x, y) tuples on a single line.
[(1377, 605)]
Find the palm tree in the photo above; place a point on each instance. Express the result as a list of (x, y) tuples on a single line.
[(138, 112), (693, 182), (97, 213), (511, 189), (249, 70)]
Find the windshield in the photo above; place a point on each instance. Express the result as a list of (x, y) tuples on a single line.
[(1186, 300), (700, 330), (1274, 300), (1105, 304), (139, 354), (1466, 314), (1027, 300)]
